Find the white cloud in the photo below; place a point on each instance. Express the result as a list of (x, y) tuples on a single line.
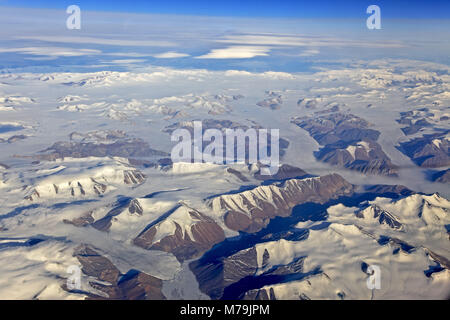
[(170, 55), (127, 54), (100, 41), (303, 41), (52, 51), (236, 52), (309, 53), (126, 61)]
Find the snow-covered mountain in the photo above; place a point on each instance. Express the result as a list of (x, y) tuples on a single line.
[(86, 180), (71, 178)]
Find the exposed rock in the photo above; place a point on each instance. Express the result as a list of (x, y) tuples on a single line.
[(348, 142), (423, 118), (259, 294), (295, 266), (133, 177), (334, 108), (363, 156), (392, 190), (214, 276), (82, 221), (383, 216), (308, 103), (192, 233), (134, 285), (274, 101), (135, 207), (285, 171), (429, 151), (329, 129), (95, 265), (251, 210), (13, 138), (222, 125), (99, 144), (442, 176), (160, 163), (84, 185), (238, 174)]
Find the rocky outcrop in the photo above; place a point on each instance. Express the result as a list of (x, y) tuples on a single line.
[(223, 125), (214, 276), (429, 151), (383, 216), (184, 232), (251, 210), (393, 191), (99, 144), (285, 171), (274, 101), (260, 294), (109, 283), (348, 142), (94, 183), (442, 176), (364, 156), (422, 119)]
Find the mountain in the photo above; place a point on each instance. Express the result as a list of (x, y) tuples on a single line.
[(347, 142), (183, 231), (99, 144), (75, 178), (107, 282), (428, 151), (442, 176), (384, 232), (251, 210)]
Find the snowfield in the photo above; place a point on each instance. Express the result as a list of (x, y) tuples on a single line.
[(51, 203)]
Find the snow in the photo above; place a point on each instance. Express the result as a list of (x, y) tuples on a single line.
[(401, 274), (52, 105)]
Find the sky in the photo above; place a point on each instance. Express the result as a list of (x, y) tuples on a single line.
[(291, 36), (408, 9)]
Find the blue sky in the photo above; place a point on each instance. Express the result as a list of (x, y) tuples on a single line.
[(275, 36), (409, 9)]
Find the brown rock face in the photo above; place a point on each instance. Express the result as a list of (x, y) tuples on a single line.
[(214, 277), (134, 285), (96, 266), (442, 176), (137, 285), (260, 294), (204, 233), (338, 133), (251, 210), (428, 151), (285, 171)]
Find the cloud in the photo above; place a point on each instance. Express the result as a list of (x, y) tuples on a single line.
[(309, 53), (52, 51), (126, 61), (100, 41), (170, 55), (127, 54), (236, 52), (283, 40)]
